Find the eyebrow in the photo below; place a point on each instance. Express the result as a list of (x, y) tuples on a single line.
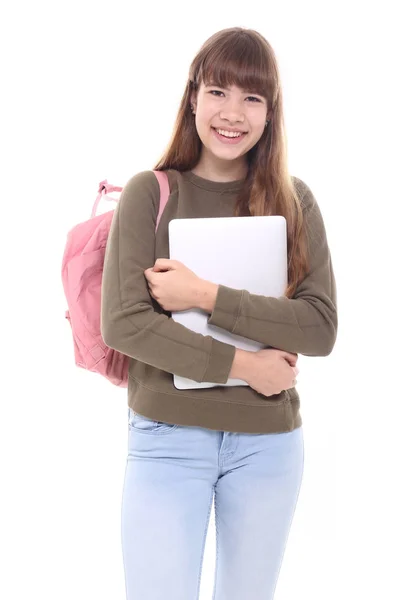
[(213, 84)]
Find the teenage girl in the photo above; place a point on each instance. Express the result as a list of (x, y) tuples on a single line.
[(241, 446)]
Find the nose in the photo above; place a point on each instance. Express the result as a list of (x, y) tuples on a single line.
[(232, 111)]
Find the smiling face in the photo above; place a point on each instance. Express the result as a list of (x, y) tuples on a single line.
[(222, 111)]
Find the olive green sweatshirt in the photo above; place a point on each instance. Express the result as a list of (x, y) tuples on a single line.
[(133, 323)]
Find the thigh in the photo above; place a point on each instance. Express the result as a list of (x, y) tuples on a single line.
[(255, 501), (165, 512)]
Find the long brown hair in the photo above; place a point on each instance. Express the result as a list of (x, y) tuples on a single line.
[(243, 57)]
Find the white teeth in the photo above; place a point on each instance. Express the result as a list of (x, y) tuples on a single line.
[(228, 133)]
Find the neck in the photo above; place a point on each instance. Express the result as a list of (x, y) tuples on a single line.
[(216, 169)]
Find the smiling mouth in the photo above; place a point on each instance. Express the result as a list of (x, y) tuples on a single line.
[(233, 134)]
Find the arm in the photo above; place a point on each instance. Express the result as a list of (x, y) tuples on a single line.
[(305, 324), (241, 364), (129, 323)]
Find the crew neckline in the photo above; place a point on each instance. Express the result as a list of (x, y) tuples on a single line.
[(213, 186)]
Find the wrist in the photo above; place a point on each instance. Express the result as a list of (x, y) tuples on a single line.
[(206, 295), (241, 365)]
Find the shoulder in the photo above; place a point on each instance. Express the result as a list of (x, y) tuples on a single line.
[(142, 190), (306, 196), (313, 219), (145, 181)]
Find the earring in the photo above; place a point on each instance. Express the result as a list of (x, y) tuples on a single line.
[(191, 106)]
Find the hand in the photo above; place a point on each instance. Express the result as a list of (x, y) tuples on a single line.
[(269, 371), (173, 285)]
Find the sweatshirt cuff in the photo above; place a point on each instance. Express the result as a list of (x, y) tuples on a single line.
[(227, 308), (220, 362)]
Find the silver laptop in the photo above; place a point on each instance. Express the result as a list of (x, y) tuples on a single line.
[(247, 253)]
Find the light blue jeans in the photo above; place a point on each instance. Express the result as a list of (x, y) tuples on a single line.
[(173, 473)]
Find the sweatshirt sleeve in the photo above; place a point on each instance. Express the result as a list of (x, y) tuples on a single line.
[(129, 322), (305, 324)]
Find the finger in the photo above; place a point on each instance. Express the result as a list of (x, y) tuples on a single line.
[(164, 263), (291, 358), (151, 276)]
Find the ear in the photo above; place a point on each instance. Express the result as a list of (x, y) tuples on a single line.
[(193, 100)]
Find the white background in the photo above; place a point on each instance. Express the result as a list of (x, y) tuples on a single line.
[(90, 92)]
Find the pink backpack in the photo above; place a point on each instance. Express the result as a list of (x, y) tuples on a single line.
[(82, 272)]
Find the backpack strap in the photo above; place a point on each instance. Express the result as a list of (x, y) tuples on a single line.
[(106, 187), (164, 193)]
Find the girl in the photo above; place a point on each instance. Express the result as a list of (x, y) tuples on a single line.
[(241, 446)]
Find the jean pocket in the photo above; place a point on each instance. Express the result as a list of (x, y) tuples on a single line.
[(138, 422)]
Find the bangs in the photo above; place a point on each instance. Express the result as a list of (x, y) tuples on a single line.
[(240, 61)]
